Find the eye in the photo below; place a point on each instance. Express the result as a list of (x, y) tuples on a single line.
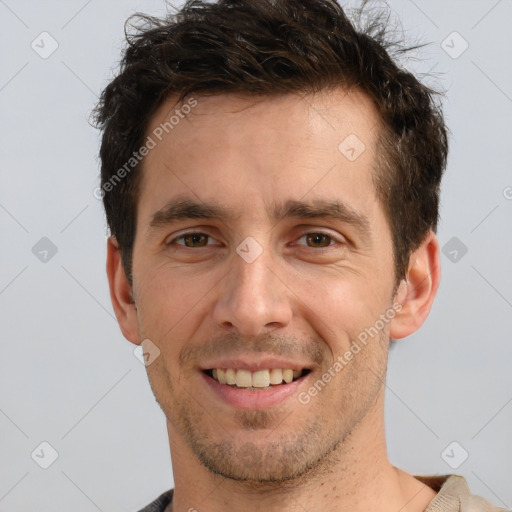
[(192, 240), (318, 239)]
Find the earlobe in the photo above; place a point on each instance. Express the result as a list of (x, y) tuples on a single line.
[(417, 291), (121, 293)]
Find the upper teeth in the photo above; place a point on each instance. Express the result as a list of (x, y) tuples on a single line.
[(257, 379)]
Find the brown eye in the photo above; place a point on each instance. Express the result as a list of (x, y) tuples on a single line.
[(318, 240), (192, 240)]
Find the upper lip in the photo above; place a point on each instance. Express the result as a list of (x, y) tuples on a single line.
[(254, 364)]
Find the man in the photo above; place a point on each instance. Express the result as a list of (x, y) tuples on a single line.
[(271, 183)]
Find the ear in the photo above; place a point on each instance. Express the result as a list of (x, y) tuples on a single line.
[(121, 293), (417, 290)]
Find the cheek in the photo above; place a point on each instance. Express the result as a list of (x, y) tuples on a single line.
[(168, 305), (340, 307)]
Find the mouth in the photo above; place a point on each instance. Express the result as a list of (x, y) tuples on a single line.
[(259, 380)]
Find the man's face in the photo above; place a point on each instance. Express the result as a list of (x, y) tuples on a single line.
[(268, 288)]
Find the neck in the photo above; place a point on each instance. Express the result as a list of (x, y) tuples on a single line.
[(357, 476)]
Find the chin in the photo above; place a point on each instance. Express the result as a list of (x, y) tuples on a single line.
[(264, 459)]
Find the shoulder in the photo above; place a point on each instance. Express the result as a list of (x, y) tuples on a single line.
[(453, 495), (160, 504)]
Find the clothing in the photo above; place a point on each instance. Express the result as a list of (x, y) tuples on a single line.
[(160, 503), (453, 495)]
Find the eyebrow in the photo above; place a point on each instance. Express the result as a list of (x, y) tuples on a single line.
[(186, 208), (322, 209)]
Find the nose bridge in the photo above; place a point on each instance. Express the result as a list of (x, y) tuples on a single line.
[(252, 298), (251, 273)]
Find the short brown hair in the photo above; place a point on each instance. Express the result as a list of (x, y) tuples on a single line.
[(274, 47)]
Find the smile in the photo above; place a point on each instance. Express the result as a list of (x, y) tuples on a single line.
[(255, 380)]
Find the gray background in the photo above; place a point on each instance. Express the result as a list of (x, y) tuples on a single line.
[(69, 378)]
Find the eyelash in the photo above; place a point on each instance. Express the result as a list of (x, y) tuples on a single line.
[(182, 236)]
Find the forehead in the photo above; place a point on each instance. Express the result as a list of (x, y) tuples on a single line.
[(296, 118), (243, 150)]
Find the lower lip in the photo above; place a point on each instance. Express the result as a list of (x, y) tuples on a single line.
[(255, 400)]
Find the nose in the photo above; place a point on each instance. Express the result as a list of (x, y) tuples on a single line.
[(252, 298)]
